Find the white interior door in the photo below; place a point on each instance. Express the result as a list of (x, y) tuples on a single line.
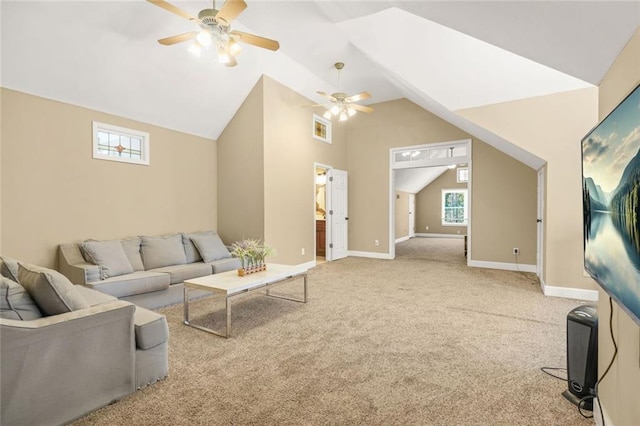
[(412, 215), (337, 218), (540, 226)]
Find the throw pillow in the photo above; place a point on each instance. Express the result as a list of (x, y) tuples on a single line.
[(189, 249), (211, 247), (15, 302), (131, 248), (9, 268), (110, 256), (164, 250), (53, 292)]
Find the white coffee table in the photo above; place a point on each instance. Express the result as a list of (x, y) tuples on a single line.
[(231, 285)]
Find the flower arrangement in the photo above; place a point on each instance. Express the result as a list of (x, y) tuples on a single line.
[(252, 255)]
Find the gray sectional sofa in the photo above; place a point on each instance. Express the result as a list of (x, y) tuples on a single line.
[(146, 270), (67, 350)]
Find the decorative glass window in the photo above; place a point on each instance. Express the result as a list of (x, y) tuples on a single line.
[(321, 129), (119, 144), (430, 155), (462, 174), (454, 207)]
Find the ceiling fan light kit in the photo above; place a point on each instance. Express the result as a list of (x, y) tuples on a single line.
[(215, 32), (342, 105)]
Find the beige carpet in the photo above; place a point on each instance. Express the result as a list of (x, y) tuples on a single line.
[(409, 341)]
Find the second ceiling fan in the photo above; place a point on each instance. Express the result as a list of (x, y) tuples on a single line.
[(215, 31), (342, 105)]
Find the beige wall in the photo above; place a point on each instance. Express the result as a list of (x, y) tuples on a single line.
[(619, 390), (290, 152), (241, 171), (402, 214), (504, 204), (266, 159), (551, 127), (429, 205), (54, 192), (392, 124), (1, 201), (402, 123)]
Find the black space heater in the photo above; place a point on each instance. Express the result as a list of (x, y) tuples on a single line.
[(582, 355)]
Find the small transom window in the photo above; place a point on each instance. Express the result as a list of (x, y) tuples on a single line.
[(321, 129), (115, 143), (462, 174)]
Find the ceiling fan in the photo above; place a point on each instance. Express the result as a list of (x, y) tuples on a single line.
[(215, 31), (342, 105)]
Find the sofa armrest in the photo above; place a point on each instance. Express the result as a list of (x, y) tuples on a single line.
[(73, 266), (58, 368)]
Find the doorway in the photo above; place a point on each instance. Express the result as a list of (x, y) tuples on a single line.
[(413, 168), (330, 213), (320, 212)]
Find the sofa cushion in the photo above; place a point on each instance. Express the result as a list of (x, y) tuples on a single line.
[(15, 302), (130, 284), (210, 247), (191, 252), (93, 297), (165, 250), (150, 327), (53, 292), (110, 256), (224, 265), (9, 268), (131, 248), (180, 273)]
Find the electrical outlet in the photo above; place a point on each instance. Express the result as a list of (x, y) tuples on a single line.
[(376, 242), (302, 251), (516, 251)]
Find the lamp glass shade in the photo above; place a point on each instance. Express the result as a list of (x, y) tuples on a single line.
[(234, 47), (223, 56), (195, 49), (204, 38)]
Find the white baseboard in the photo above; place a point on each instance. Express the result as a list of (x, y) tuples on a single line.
[(439, 235), (503, 266), (308, 265), (571, 293), (370, 254), (401, 239)]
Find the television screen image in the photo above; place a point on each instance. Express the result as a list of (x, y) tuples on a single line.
[(611, 203)]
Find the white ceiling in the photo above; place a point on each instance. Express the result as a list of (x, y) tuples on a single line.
[(442, 55), (416, 179)]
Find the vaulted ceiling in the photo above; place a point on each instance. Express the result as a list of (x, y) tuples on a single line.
[(443, 55)]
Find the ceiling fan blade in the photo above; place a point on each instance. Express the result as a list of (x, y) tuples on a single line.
[(361, 108), (314, 105), (230, 11), (173, 9), (232, 62), (255, 40), (358, 97), (326, 95), (168, 41)]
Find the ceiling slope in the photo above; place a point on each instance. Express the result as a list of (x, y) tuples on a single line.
[(104, 55)]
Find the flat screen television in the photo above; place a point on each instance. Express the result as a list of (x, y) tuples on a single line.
[(611, 204)]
